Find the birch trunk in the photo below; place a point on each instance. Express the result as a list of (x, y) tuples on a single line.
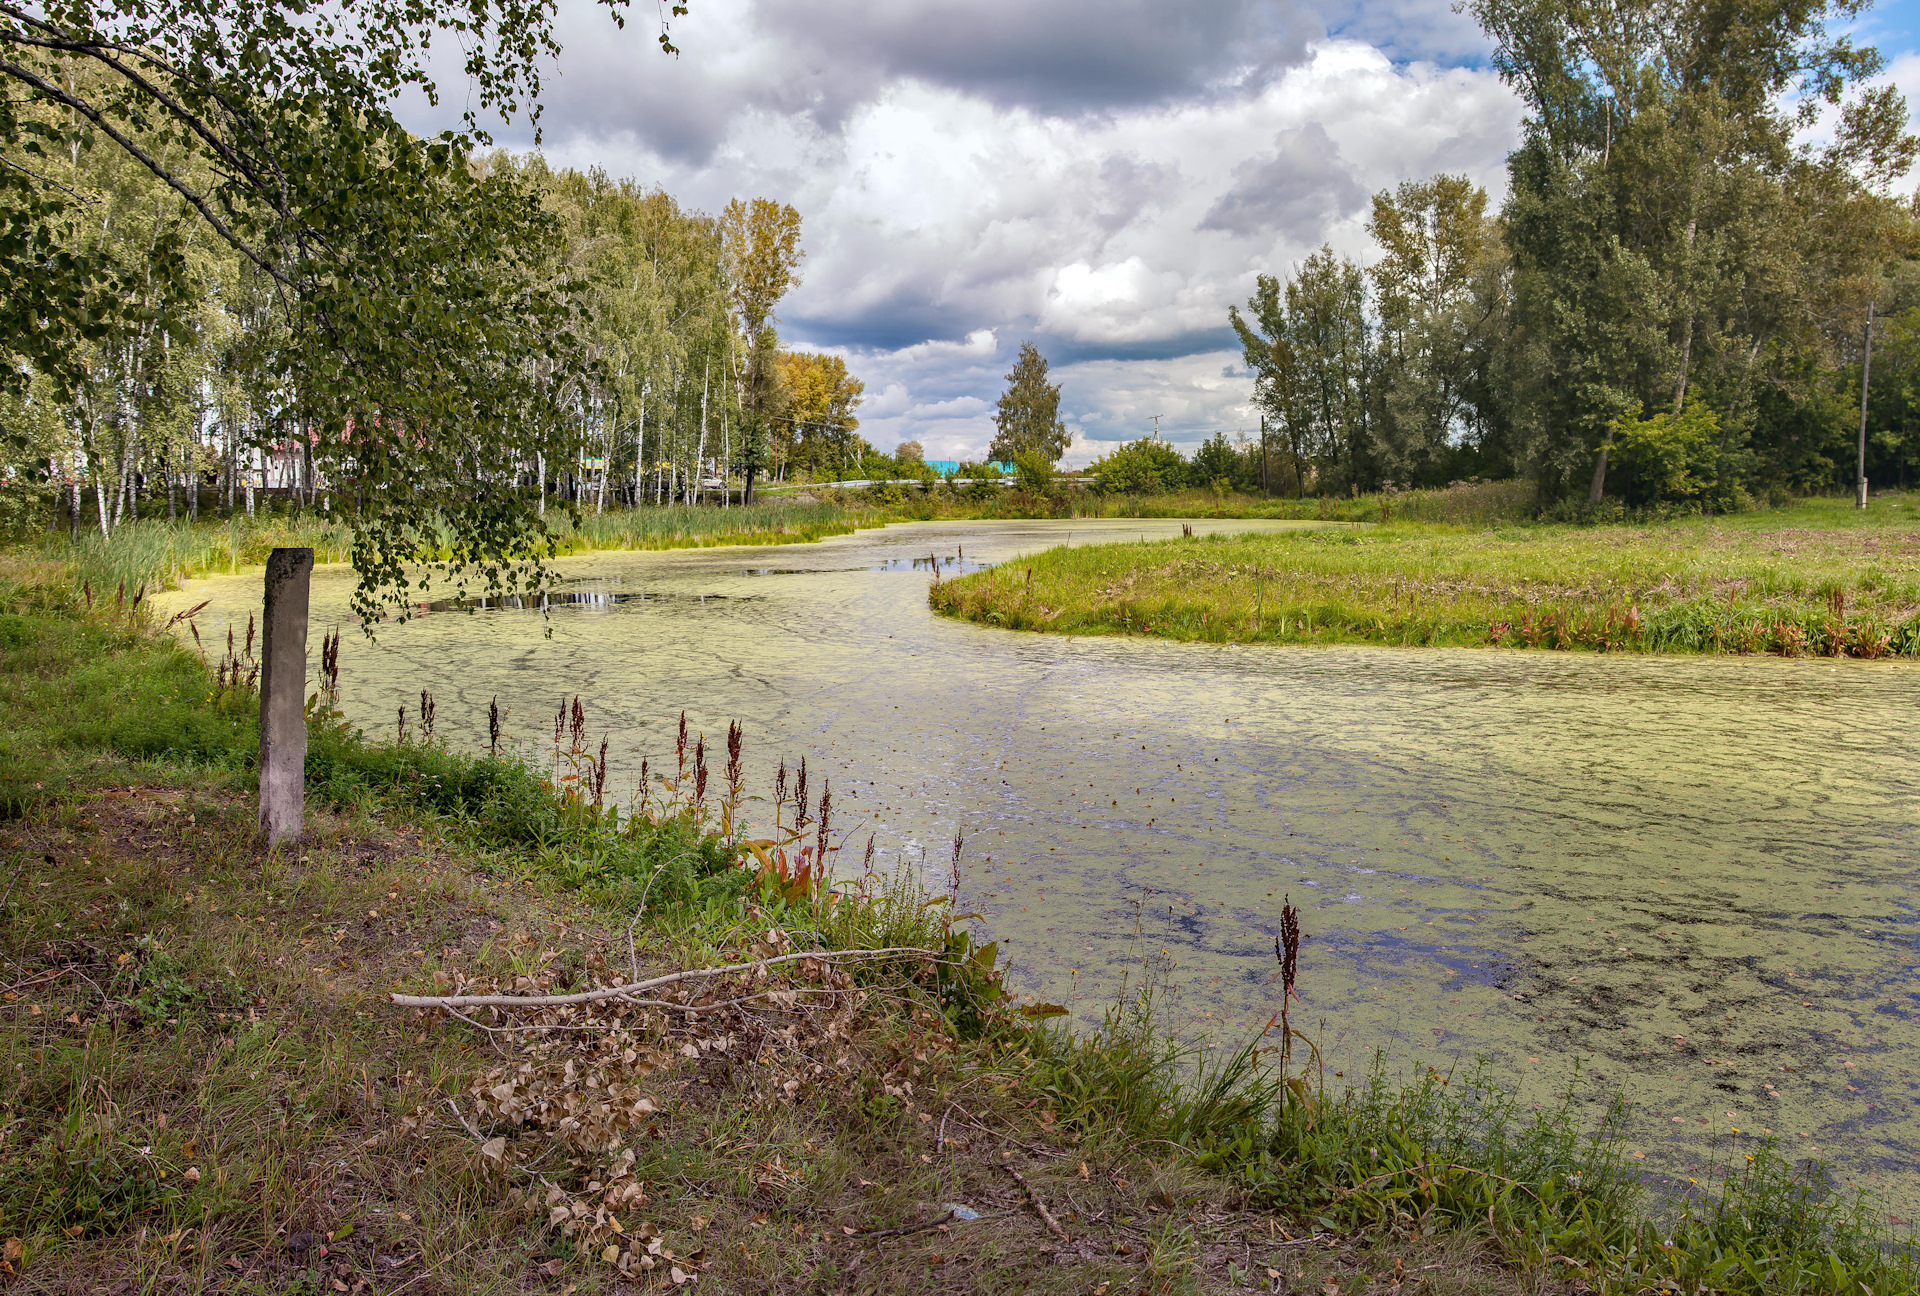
[(700, 451)]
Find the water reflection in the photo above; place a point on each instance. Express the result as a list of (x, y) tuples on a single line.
[(583, 596), (1693, 876)]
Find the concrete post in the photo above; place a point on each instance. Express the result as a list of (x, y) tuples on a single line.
[(283, 696)]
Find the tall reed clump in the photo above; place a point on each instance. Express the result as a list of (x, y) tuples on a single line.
[(680, 526), (154, 555), (1549, 1187)]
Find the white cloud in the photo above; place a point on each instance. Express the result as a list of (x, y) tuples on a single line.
[(1107, 195)]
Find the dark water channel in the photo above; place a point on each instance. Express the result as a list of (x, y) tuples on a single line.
[(1694, 877)]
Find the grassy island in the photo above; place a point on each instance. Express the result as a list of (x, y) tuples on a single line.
[(1814, 578)]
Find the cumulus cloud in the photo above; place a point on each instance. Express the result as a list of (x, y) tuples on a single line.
[(1101, 176), (1297, 190)]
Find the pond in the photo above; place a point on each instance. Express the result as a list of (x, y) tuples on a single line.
[(1690, 878)]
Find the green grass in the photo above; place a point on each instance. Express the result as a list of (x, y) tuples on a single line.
[(1818, 577)]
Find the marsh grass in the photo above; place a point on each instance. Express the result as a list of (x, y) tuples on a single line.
[(1809, 580)]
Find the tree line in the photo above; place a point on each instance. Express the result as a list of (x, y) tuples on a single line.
[(191, 400), (1671, 305)]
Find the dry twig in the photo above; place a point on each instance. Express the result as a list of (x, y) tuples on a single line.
[(653, 983), (1040, 1206)]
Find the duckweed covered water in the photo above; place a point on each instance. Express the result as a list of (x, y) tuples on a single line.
[(1692, 878)]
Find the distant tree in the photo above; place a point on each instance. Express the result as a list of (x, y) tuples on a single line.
[(1028, 415), (910, 452), (821, 427), (1436, 239), (1215, 461), (761, 242), (1144, 467), (1033, 472), (1675, 234)]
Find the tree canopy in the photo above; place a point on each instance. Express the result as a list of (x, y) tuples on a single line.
[(1670, 238), (1027, 418), (420, 337)]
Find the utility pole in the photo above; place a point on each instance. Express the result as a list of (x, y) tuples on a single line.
[(1866, 373), (1156, 424)]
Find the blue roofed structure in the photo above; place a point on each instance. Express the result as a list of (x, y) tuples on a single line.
[(951, 467)]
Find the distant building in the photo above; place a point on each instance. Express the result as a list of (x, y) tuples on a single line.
[(951, 467)]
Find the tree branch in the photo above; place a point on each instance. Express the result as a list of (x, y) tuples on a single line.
[(654, 983), (147, 160)]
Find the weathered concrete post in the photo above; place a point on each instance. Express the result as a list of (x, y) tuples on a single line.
[(283, 696)]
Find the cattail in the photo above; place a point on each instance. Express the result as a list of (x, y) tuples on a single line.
[(800, 796), (493, 724), (402, 721), (826, 818), (700, 772), (1286, 948), (249, 634), (330, 665), (86, 587)]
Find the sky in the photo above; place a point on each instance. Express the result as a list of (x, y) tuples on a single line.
[(1103, 177)]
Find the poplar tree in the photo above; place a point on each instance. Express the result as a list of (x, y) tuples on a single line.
[(761, 242)]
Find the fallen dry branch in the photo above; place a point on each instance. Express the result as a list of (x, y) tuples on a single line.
[(1038, 1205), (652, 983)]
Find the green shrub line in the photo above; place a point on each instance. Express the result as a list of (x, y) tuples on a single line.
[(1437, 1153)]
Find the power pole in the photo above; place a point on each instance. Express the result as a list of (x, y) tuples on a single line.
[(1866, 373), (1156, 424)]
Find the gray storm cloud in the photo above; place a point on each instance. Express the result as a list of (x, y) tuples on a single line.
[(1297, 190)]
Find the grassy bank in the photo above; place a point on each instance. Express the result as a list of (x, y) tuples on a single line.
[(1818, 577), (203, 1085), (149, 555), (153, 555)]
